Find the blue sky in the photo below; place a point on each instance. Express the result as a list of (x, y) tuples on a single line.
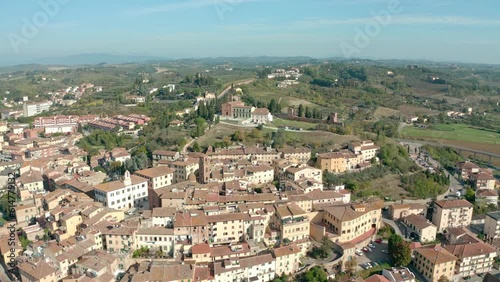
[(444, 30)]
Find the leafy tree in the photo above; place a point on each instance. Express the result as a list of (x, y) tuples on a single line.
[(394, 240), (279, 138), (399, 250), (470, 195), (115, 167), (4, 207), (350, 265), (301, 112), (315, 274), (308, 112), (318, 253), (443, 279), (196, 147)]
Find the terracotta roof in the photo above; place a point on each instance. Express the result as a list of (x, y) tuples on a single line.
[(163, 212), (470, 250), (155, 171), (30, 177), (418, 221), (118, 184), (38, 270), (290, 209), (483, 176), (455, 203), (228, 217), (286, 251), (261, 111), (344, 212), (200, 249), (221, 251), (155, 231), (436, 254), (377, 278), (486, 193), (467, 165)]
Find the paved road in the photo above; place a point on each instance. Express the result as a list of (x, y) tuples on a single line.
[(253, 125), (394, 226), (247, 81), (184, 149)]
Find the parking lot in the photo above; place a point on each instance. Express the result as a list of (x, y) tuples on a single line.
[(376, 255)]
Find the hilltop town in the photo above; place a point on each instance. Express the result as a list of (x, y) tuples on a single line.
[(193, 181)]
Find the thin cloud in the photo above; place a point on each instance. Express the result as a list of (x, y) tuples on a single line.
[(402, 20), (188, 5)]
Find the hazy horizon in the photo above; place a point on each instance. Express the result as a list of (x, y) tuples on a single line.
[(447, 31)]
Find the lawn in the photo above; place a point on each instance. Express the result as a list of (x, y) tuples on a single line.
[(292, 123), (457, 132)]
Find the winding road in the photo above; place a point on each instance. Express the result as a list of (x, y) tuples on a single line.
[(247, 81)]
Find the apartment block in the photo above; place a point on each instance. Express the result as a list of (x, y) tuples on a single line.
[(434, 261), (451, 214), (287, 259), (492, 225), (292, 223), (33, 109), (227, 228), (473, 258)]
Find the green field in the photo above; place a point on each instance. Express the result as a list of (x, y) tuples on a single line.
[(458, 132), (292, 123)]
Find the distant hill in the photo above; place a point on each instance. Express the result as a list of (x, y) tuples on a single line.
[(86, 59), (93, 59)]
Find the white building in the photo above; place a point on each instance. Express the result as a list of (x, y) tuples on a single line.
[(124, 194), (261, 116), (157, 238), (257, 268), (34, 109), (259, 174), (59, 129)]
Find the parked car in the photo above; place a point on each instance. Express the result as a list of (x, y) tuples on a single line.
[(385, 251), (365, 249), (359, 253), (371, 246), (378, 241)]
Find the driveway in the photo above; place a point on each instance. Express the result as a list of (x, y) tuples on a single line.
[(394, 226)]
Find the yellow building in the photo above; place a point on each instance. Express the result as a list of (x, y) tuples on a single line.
[(157, 177), (434, 261), (70, 223), (451, 214), (292, 222), (40, 272), (184, 168), (334, 162), (349, 222), (397, 211), (227, 228), (287, 259), (418, 224), (26, 213)]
